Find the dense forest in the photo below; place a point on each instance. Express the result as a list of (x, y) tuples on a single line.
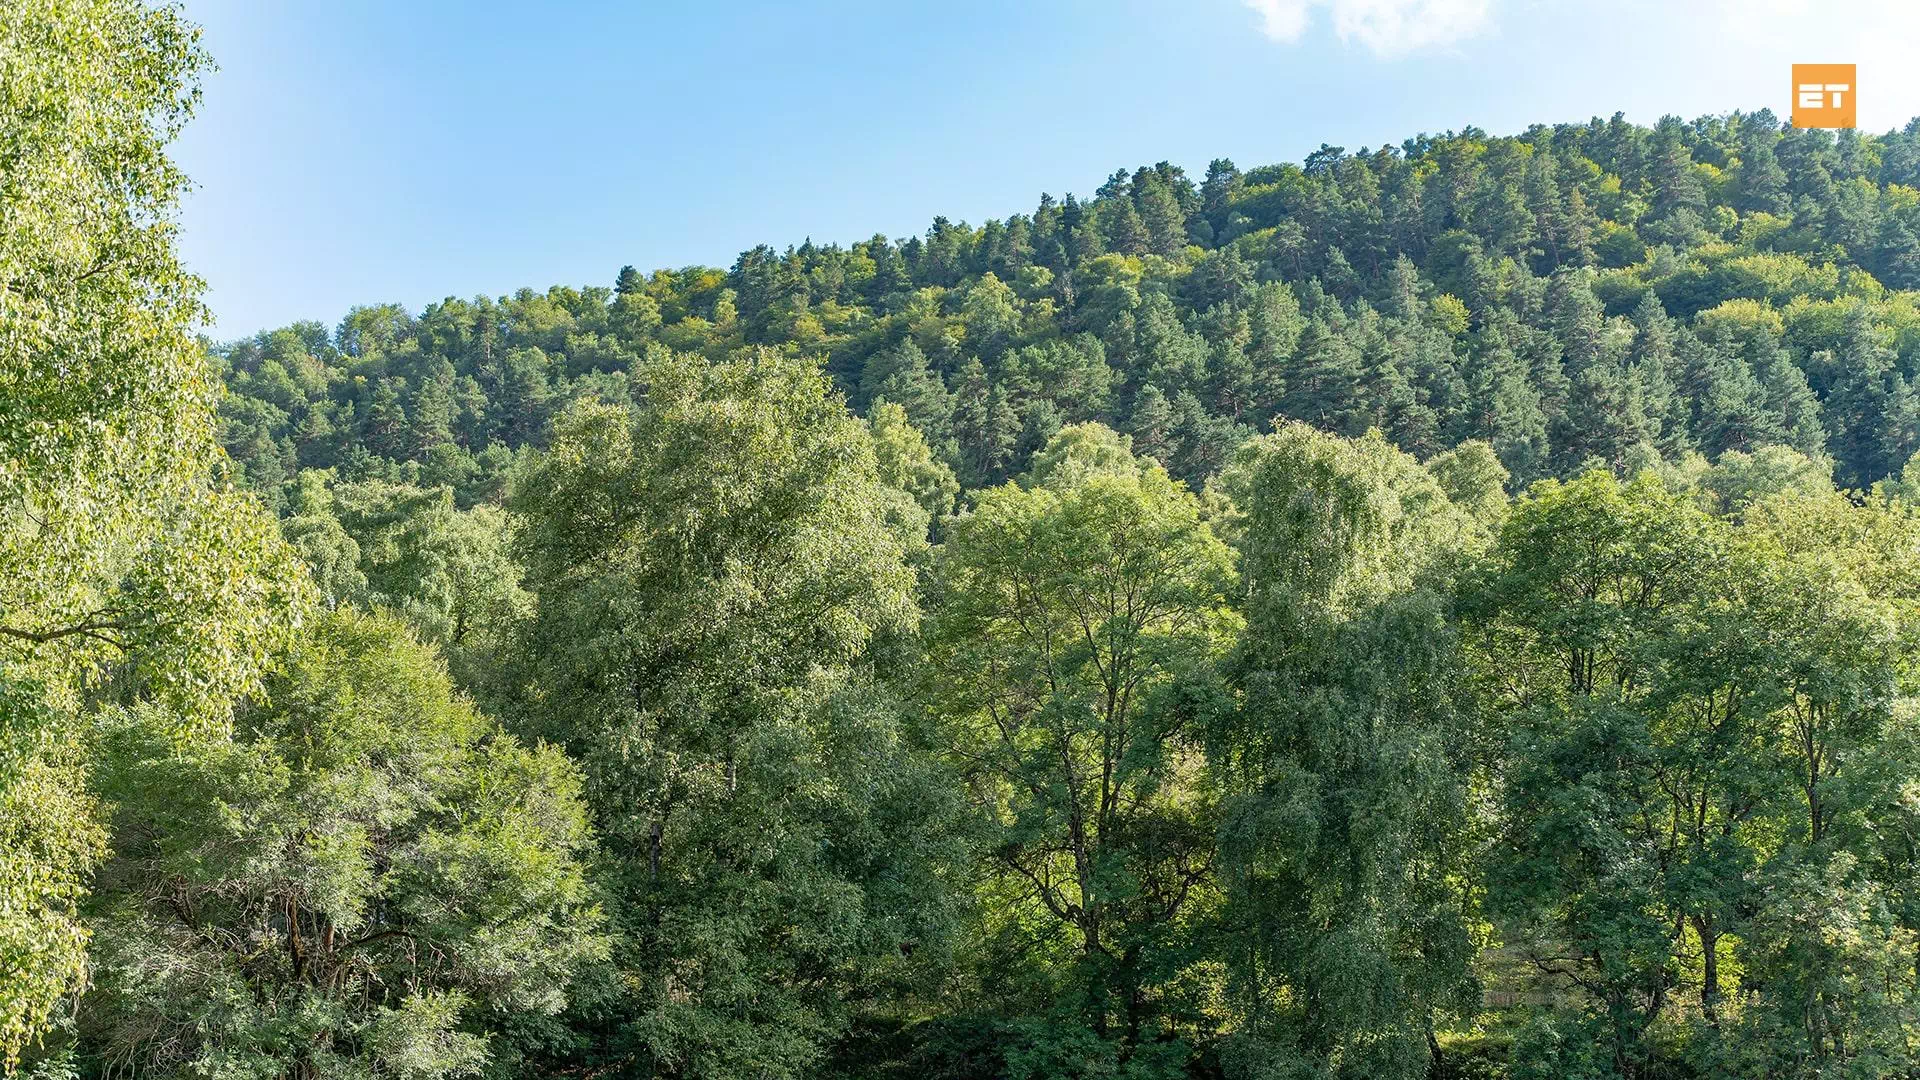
[(1449, 610), (1593, 294)]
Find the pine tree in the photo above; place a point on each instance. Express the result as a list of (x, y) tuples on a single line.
[(1900, 432), (1436, 373), (1040, 421), (1166, 352), (1274, 326), (986, 429), (1761, 184), (1323, 386), (1160, 214), (903, 376), (1339, 276), (1401, 295), (1546, 368), (1232, 381), (1388, 399), (993, 455), (1729, 406), (1549, 207), (1217, 192), (1577, 321), (1653, 364), (1897, 256), (520, 397), (1792, 403), (1860, 404), (890, 273), (1203, 442), (1605, 419), (1675, 185), (1121, 228), (1152, 424), (1506, 409), (315, 441), (1222, 276), (387, 428), (432, 415)]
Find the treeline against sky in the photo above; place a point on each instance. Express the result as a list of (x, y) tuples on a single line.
[(1578, 294)]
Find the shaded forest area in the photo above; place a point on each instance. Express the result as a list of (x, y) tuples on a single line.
[(1446, 611)]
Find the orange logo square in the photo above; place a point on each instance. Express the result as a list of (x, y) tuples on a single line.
[(1823, 95)]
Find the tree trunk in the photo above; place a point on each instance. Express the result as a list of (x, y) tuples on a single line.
[(1710, 970)]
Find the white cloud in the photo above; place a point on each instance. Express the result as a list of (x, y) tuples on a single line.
[(1281, 20), (1388, 28)]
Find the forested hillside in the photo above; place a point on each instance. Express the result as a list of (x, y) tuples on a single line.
[(1586, 293), (1450, 611)]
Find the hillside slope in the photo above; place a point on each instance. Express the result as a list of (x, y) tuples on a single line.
[(1576, 293)]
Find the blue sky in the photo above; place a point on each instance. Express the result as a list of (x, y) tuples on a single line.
[(357, 152)]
